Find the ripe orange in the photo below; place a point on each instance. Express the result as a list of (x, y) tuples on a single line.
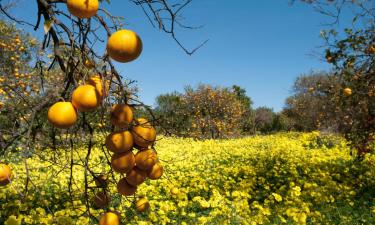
[(136, 176), (142, 205), (124, 46), (145, 160), (83, 8), (101, 180), (62, 115), (97, 82), (101, 200), (120, 141), (347, 92), (85, 98), (5, 174), (144, 134), (121, 115), (110, 218), (156, 172), (123, 162), (124, 188)]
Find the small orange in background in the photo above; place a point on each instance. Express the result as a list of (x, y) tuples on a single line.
[(142, 205), (121, 115), (62, 115), (123, 162), (144, 134), (101, 180), (136, 176), (347, 92), (110, 218), (5, 174), (146, 159), (124, 46), (156, 172), (83, 8), (121, 141), (85, 98), (101, 200), (124, 188)]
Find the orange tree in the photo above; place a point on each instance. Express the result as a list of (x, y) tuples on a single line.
[(352, 55), (215, 112), (308, 106), (82, 94)]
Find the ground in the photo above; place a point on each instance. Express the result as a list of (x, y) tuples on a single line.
[(292, 178)]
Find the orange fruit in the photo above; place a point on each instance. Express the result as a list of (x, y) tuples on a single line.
[(5, 174), (101, 200), (97, 82), (145, 160), (156, 172), (121, 115), (142, 205), (83, 8), (347, 92), (110, 218), (136, 176), (124, 46), (120, 141), (101, 180), (85, 98), (123, 162), (124, 188), (144, 134), (62, 115)]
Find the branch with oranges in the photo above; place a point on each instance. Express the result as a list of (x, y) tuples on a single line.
[(89, 83)]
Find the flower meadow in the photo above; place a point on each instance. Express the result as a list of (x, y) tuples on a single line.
[(285, 178)]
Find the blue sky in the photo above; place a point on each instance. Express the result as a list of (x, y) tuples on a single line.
[(260, 45)]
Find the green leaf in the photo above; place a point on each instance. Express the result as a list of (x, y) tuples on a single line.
[(48, 25)]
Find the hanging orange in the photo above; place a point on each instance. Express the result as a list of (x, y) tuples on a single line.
[(62, 115), (124, 46), (136, 176), (101, 200), (83, 8), (120, 141), (121, 115), (142, 205), (123, 162), (110, 218), (145, 160), (156, 172), (144, 134), (85, 98), (124, 188)]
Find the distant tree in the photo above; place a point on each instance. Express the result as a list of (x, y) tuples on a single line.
[(352, 55), (263, 119), (217, 112), (173, 114), (309, 104), (247, 122)]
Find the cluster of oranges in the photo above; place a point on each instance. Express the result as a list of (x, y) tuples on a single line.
[(123, 46)]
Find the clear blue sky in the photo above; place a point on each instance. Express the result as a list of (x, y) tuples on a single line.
[(260, 45)]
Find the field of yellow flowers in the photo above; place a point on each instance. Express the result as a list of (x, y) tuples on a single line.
[(286, 178)]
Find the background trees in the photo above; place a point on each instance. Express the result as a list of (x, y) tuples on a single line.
[(352, 55)]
